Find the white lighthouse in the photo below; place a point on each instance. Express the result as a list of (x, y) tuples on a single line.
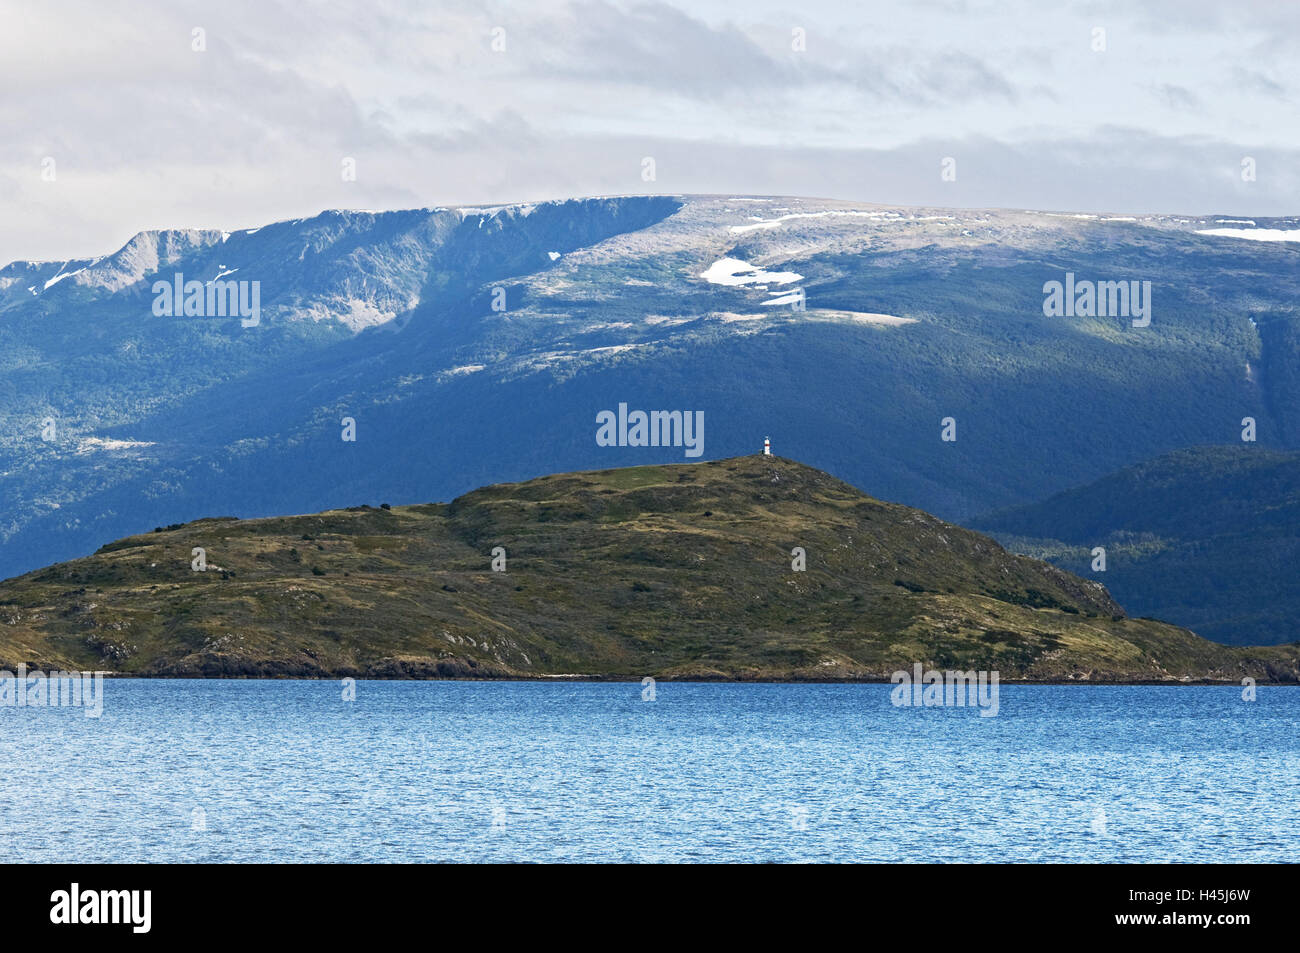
[(767, 447)]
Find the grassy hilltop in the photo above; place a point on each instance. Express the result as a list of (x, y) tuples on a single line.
[(678, 571)]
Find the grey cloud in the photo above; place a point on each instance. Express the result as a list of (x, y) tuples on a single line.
[(147, 133), (656, 45), (1176, 97), (1257, 83)]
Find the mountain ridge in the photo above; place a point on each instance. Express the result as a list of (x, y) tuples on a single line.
[(114, 420)]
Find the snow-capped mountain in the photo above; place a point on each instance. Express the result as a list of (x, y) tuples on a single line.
[(475, 346)]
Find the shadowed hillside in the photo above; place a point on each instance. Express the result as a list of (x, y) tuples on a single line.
[(1207, 537)]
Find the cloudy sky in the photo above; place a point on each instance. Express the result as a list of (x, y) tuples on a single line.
[(113, 122)]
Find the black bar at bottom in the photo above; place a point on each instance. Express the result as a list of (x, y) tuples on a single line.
[(1219, 903)]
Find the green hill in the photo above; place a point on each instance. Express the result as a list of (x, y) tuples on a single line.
[(671, 571), (1207, 537)]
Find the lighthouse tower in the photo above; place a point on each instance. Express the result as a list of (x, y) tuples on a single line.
[(767, 447)]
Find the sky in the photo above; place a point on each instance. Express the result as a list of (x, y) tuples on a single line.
[(121, 116)]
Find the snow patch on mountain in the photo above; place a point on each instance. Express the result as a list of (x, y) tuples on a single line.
[(59, 277), (830, 213), (523, 211), (860, 317), (91, 444), (733, 272), (1255, 234)]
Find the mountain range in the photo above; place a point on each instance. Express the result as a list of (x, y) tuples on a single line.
[(468, 346)]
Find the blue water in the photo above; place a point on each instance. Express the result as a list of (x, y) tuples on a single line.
[(456, 771)]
